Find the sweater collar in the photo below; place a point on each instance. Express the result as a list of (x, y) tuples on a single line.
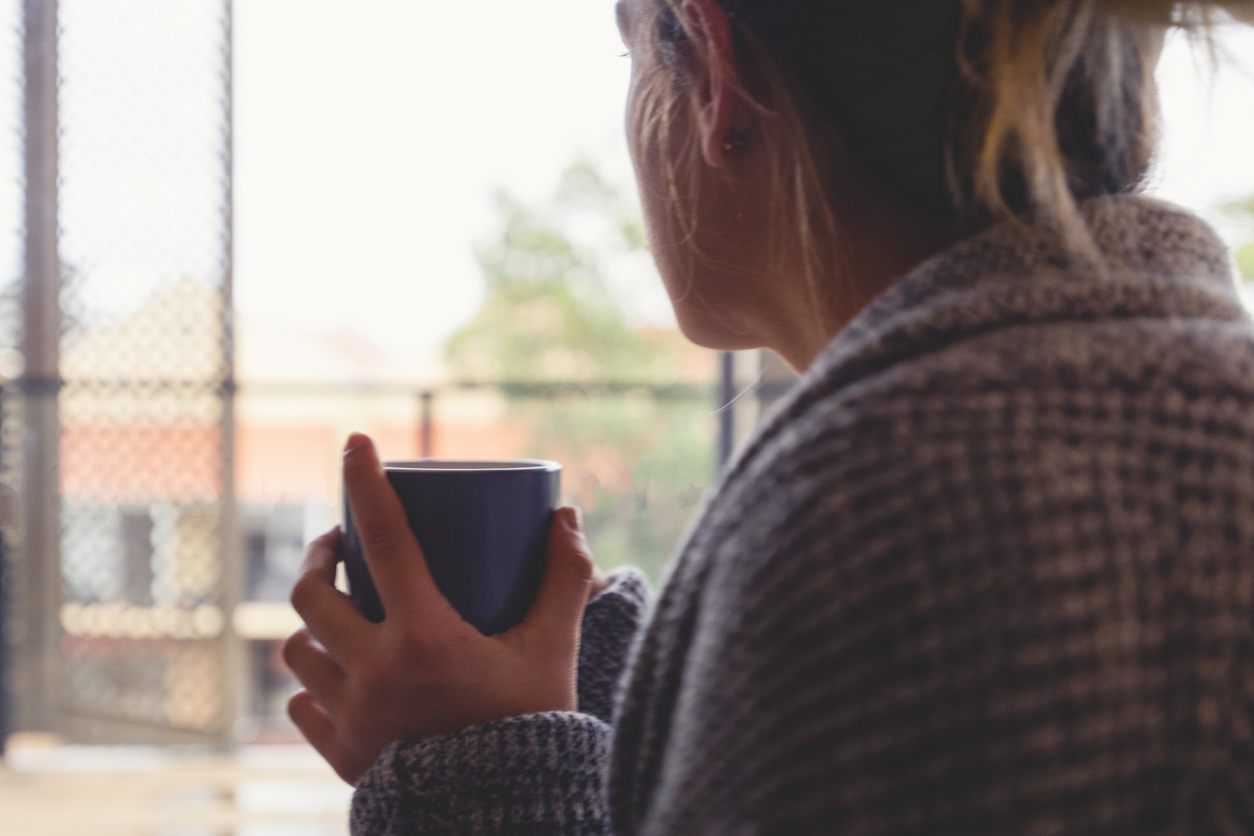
[(1158, 261)]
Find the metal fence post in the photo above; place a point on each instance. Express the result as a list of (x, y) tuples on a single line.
[(727, 407), (39, 581), (5, 699), (425, 442), (237, 691)]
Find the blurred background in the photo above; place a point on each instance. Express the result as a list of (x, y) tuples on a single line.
[(233, 232)]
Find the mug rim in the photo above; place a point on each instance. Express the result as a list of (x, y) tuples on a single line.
[(472, 466)]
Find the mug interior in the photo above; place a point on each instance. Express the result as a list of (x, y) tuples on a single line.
[(507, 464)]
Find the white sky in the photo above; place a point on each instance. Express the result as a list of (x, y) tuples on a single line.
[(1207, 156), (371, 135)]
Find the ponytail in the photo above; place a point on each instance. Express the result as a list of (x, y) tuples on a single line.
[(1063, 102)]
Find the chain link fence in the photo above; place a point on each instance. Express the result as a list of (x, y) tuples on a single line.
[(146, 359), (143, 414), (10, 334)]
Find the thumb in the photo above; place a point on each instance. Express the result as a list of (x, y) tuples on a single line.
[(568, 577)]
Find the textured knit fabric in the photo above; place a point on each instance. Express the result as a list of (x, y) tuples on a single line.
[(542, 774), (988, 570), (609, 624)]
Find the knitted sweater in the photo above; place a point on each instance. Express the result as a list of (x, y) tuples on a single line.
[(988, 569)]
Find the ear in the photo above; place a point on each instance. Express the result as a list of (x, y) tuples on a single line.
[(719, 94)]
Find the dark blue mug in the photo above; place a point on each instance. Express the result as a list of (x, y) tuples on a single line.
[(483, 527)]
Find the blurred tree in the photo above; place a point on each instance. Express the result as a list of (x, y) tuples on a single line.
[(10, 330), (548, 314), (636, 456), (1245, 254)]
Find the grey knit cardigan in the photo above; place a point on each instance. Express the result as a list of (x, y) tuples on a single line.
[(988, 570)]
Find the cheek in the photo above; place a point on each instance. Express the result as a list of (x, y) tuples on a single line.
[(662, 169), (653, 180), (672, 254), (687, 282), (633, 121)]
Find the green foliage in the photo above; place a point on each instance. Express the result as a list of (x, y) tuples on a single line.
[(636, 462), (1245, 261), (1245, 254), (636, 465), (548, 315)]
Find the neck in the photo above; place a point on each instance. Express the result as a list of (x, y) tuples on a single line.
[(877, 245)]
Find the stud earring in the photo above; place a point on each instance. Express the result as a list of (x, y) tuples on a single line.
[(733, 141)]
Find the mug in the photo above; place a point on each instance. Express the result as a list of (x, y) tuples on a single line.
[(483, 528)]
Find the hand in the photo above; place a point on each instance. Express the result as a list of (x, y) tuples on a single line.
[(423, 671)]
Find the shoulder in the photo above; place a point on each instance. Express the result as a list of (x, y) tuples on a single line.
[(986, 422), (956, 522), (982, 439)]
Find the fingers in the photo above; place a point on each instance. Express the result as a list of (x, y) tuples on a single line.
[(314, 722), (396, 563), (350, 762), (319, 729), (315, 668), (600, 582), (568, 579), (329, 613)]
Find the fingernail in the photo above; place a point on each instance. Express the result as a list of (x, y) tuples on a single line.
[(355, 442), (572, 518)]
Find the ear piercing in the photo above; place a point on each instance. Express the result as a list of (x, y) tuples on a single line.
[(733, 141)]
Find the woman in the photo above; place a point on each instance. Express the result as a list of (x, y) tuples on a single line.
[(989, 569)]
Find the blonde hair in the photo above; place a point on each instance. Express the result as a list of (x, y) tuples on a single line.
[(1037, 69), (1054, 101)]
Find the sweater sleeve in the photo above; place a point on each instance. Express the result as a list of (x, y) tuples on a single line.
[(537, 775), (610, 622)]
